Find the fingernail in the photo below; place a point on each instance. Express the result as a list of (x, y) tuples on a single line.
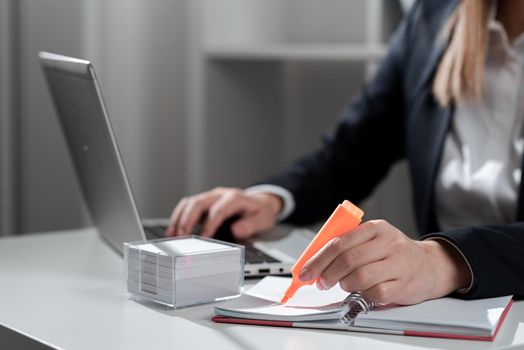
[(320, 285), (304, 275)]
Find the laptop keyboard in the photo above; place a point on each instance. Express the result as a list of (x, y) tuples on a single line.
[(253, 255), (158, 231)]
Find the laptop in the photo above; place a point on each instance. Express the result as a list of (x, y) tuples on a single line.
[(106, 189)]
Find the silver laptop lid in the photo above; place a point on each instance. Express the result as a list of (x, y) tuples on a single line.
[(93, 148)]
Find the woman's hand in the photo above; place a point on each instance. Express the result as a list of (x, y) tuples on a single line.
[(387, 266), (256, 211)]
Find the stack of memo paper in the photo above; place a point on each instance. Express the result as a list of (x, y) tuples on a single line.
[(184, 271)]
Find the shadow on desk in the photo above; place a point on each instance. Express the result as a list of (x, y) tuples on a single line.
[(196, 314), (11, 339)]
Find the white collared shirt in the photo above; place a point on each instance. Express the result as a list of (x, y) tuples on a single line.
[(480, 170)]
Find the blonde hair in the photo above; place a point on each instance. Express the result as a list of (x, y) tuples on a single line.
[(460, 74)]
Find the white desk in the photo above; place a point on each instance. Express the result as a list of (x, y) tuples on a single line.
[(66, 289)]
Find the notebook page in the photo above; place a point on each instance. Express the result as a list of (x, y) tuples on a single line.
[(272, 288), (262, 302), (254, 308), (482, 314)]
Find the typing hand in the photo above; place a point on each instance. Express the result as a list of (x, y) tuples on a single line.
[(256, 212), (387, 266)]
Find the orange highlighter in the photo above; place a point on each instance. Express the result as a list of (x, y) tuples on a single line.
[(346, 217)]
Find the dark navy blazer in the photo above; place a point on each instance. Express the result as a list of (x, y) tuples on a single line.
[(394, 117)]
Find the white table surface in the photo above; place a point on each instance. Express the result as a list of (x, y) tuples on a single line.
[(66, 289)]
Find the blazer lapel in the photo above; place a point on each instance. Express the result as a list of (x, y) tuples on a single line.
[(520, 199), (437, 48), (428, 124), (429, 129)]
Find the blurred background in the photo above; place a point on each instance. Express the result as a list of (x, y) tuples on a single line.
[(200, 93)]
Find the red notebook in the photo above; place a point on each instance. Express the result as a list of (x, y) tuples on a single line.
[(311, 308)]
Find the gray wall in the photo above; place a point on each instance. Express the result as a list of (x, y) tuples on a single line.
[(138, 50), (49, 194), (8, 174), (139, 53)]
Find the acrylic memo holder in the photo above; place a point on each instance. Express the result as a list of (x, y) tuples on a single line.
[(183, 271), (345, 218)]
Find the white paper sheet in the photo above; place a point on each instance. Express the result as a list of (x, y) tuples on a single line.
[(184, 246), (480, 314), (272, 288)]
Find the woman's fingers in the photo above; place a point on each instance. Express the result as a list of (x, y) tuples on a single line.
[(194, 208), (258, 211), (249, 224), (384, 293), (173, 220), (387, 266), (356, 260), (320, 261), (368, 276), (225, 207)]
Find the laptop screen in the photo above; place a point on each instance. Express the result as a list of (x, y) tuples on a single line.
[(92, 146)]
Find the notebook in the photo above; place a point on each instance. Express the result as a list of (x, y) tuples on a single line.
[(336, 309)]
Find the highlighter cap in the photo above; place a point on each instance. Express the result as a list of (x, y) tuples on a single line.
[(353, 209), (345, 218)]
